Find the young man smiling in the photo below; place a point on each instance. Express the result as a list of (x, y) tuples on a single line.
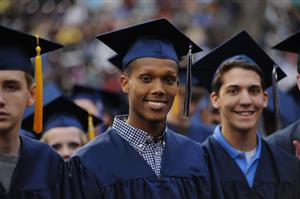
[(29, 169), (246, 166), (143, 158)]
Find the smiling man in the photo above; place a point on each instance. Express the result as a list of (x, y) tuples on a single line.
[(246, 165), (143, 158), (29, 169)]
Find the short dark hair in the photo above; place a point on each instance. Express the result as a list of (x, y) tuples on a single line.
[(29, 79), (128, 69), (228, 65)]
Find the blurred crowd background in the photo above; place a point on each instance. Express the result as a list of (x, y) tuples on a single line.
[(76, 23)]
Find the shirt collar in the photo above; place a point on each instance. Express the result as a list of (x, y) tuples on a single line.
[(134, 136), (234, 153)]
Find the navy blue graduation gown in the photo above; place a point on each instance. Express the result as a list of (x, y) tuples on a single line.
[(277, 175), (284, 138), (109, 167), (38, 173), (199, 132)]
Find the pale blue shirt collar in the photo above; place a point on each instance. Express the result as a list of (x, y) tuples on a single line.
[(248, 169), (234, 153)]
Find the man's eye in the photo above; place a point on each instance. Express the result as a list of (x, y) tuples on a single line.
[(254, 91), (74, 145), (11, 87), (170, 80), (56, 147), (232, 91), (145, 78)]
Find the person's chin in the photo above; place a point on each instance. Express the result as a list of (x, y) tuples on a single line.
[(156, 117)]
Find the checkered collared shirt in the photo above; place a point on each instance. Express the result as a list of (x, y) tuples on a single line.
[(150, 148)]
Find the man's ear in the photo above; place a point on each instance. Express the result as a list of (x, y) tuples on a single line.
[(31, 95), (124, 83), (214, 99), (298, 80), (266, 99)]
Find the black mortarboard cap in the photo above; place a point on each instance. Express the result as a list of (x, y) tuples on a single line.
[(290, 44), (17, 49), (86, 92), (157, 38), (116, 60), (62, 112), (240, 47)]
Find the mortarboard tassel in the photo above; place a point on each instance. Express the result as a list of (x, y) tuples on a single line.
[(175, 107), (38, 113), (188, 88), (275, 98), (91, 128)]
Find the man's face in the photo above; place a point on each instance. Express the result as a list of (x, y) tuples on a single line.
[(240, 100), (65, 140), (15, 96), (151, 87)]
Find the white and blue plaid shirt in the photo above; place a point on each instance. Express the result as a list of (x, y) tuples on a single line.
[(150, 148)]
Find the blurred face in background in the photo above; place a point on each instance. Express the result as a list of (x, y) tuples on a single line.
[(65, 140)]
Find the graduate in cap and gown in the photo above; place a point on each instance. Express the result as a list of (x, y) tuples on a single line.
[(66, 126), (288, 138), (138, 156), (29, 169), (246, 166)]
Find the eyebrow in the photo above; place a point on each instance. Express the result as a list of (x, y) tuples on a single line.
[(12, 81)]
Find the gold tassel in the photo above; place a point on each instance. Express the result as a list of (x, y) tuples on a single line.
[(91, 128), (175, 107), (38, 113)]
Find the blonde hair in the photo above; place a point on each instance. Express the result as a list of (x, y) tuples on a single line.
[(83, 138)]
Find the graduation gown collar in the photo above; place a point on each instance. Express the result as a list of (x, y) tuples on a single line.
[(29, 173)]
